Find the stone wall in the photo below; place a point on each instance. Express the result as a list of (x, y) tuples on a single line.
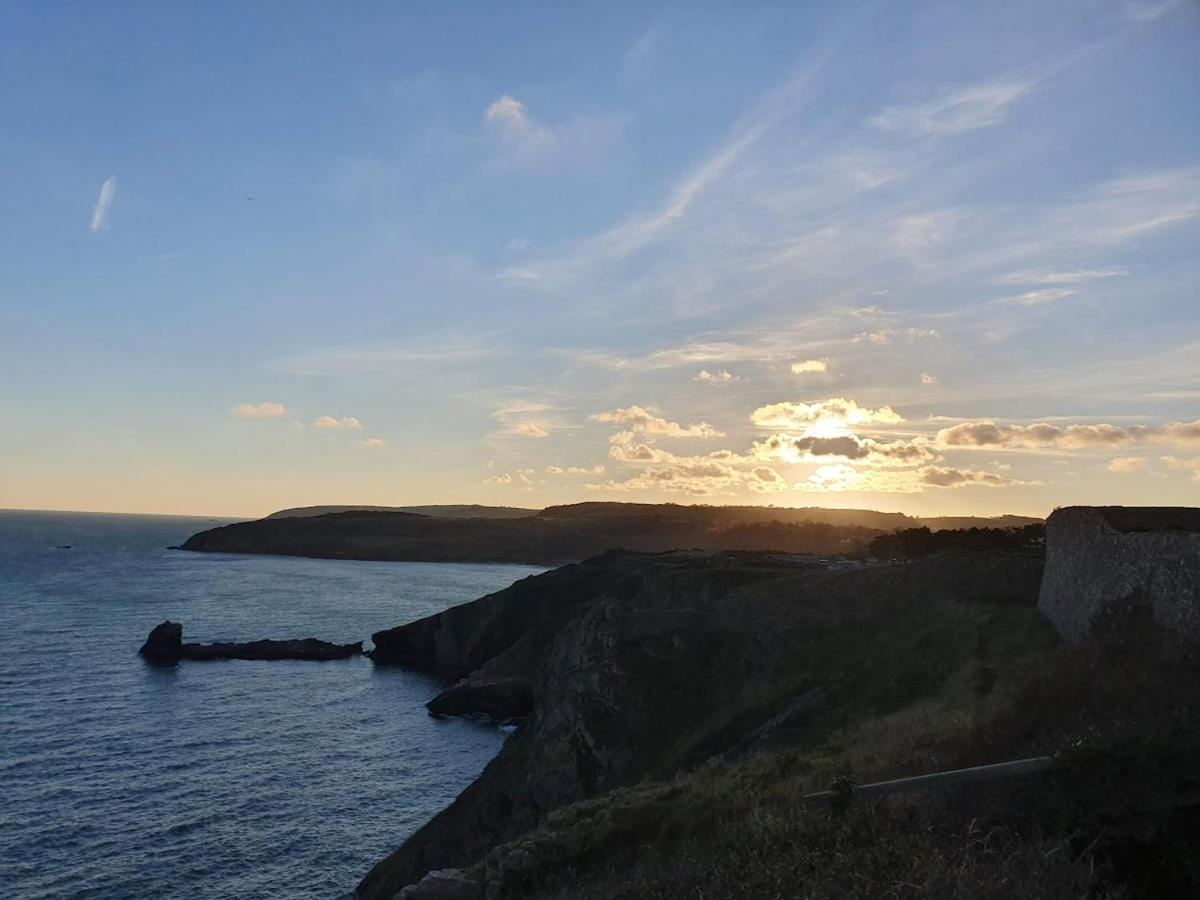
[(1104, 559)]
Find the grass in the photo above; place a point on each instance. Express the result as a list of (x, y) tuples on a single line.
[(1112, 819)]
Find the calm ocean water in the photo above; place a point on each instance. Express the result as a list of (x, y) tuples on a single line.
[(220, 779)]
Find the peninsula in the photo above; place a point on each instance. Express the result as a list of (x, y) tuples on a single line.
[(562, 534)]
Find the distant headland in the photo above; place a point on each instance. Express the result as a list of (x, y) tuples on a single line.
[(561, 534)]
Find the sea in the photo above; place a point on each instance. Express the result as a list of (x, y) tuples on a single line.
[(231, 779)]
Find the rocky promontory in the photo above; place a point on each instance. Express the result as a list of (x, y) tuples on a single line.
[(558, 534), (630, 666), (165, 645)]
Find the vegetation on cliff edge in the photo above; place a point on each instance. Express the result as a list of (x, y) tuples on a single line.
[(1113, 818)]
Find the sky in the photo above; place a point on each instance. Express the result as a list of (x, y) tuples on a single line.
[(934, 257)]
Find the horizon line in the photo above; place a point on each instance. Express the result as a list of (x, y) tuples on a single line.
[(384, 507)]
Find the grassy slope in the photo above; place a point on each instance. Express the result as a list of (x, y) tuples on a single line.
[(1105, 823)]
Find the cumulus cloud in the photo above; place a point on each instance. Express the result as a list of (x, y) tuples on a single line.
[(108, 193), (836, 411), (699, 477), (343, 422), (721, 376), (841, 477), (626, 451), (374, 442), (792, 449), (1186, 465), (526, 140), (505, 478), (976, 106), (263, 410), (575, 470), (524, 419), (718, 472), (1071, 437), (1186, 433), (885, 336), (866, 465), (510, 114), (1127, 465), (530, 429), (809, 366), (939, 476), (638, 419)]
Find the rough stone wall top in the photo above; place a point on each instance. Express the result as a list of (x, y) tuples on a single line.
[(1148, 518), (1103, 558)]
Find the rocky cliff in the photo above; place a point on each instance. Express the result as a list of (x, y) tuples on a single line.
[(1103, 562), (637, 666)]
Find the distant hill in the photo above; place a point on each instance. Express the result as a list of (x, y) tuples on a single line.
[(944, 523), (554, 535), (445, 510), (863, 518)]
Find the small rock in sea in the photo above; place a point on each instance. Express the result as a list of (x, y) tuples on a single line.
[(443, 884), (165, 643)]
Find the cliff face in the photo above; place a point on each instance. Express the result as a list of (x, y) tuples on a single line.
[(640, 665), (1108, 560)]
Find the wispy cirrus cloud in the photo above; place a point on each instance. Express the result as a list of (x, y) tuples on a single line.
[(446, 349), (523, 140), (956, 111), (643, 228), (1066, 276), (104, 202), (1144, 12), (1043, 295)]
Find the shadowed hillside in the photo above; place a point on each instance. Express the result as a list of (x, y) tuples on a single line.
[(445, 510), (680, 706), (554, 535)]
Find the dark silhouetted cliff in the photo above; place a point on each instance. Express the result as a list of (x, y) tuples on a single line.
[(555, 535)]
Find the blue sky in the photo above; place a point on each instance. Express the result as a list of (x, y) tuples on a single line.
[(936, 257)]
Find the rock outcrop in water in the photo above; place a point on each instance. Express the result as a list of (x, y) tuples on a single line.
[(165, 646), (639, 666), (1110, 561)]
